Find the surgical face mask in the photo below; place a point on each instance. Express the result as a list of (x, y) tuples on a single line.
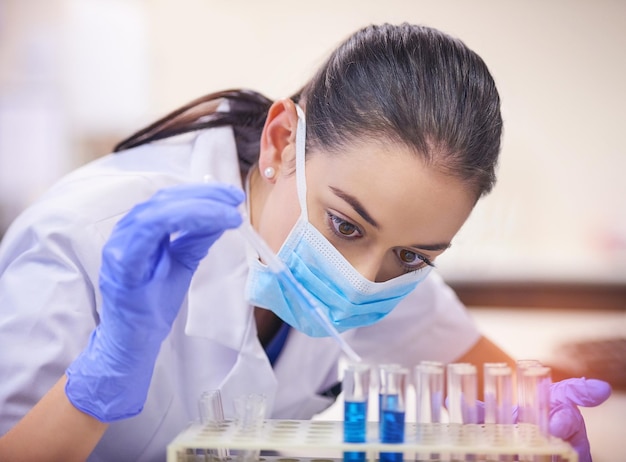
[(347, 298)]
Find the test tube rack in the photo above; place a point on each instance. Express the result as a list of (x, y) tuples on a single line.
[(322, 441)]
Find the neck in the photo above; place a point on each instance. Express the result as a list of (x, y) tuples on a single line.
[(256, 195), (267, 325)]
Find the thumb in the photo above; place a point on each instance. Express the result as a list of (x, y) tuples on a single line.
[(567, 423), (580, 391)]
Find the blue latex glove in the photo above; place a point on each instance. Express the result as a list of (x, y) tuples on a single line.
[(566, 421), (147, 265)]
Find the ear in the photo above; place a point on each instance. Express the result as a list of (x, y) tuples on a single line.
[(278, 140)]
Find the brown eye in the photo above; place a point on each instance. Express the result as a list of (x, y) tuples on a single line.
[(412, 261), (407, 256), (343, 228), (346, 228)]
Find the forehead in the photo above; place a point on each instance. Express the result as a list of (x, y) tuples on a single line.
[(395, 186)]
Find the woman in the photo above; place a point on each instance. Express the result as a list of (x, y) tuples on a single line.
[(401, 129)]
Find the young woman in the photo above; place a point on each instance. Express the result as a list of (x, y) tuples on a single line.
[(113, 318)]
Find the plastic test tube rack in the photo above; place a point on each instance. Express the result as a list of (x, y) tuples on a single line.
[(391, 439), (313, 441)]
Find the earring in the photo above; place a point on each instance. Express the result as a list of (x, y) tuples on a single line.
[(269, 173)]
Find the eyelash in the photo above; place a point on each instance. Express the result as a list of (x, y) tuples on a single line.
[(334, 221), (424, 263)]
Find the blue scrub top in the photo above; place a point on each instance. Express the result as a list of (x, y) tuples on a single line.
[(275, 346)]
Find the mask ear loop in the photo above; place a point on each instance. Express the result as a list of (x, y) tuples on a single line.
[(300, 161)]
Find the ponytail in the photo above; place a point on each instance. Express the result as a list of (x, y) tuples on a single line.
[(246, 114)]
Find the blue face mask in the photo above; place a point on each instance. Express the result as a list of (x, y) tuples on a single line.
[(347, 298)]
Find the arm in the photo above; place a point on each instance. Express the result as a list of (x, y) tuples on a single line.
[(79, 435), (147, 266), (485, 351)]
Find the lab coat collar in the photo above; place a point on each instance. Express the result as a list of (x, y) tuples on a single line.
[(216, 306)]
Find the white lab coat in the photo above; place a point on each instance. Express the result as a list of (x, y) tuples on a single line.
[(49, 304)]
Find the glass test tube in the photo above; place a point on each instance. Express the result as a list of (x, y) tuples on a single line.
[(249, 417), (355, 386), (462, 409), (429, 392), (212, 415), (535, 388), (498, 392), (521, 366), (498, 396), (383, 372), (392, 393), (462, 393)]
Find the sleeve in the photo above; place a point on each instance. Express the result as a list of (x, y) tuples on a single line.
[(431, 324), (48, 269)]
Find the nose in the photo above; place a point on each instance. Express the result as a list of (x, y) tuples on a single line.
[(370, 266), (377, 267)]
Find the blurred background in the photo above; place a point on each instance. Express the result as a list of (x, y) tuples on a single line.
[(542, 261), (78, 75)]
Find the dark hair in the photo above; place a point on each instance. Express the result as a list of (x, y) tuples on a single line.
[(404, 83), (246, 114)]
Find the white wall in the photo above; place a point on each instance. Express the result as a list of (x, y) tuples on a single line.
[(71, 72), (558, 211)]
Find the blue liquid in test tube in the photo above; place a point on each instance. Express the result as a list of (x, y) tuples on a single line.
[(355, 428), (392, 414), (356, 384), (392, 423)]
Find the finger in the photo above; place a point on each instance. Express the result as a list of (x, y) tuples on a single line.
[(515, 412), (188, 249), (137, 244), (580, 391), (152, 221), (159, 208), (222, 192), (480, 412), (138, 241), (567, 423)]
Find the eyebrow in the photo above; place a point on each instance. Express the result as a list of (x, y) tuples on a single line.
[(433, 247), (356, 205), (358, 208)]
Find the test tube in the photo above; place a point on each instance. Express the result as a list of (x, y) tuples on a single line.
[(428, 391), (535, 404), (521, 366), (383, 372), (462, 411), (498, 393), (212, 415), (355, 386), (429, 380), (249, 417), (462, 393), (498, 396), (210, 408), (392, 393)]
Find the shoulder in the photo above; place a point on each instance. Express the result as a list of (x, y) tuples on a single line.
[(111, 185)]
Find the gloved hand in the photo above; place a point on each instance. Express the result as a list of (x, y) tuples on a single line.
[(566, 421), (147, 265)]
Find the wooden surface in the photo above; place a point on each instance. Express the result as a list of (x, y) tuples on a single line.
[(542, 294)]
